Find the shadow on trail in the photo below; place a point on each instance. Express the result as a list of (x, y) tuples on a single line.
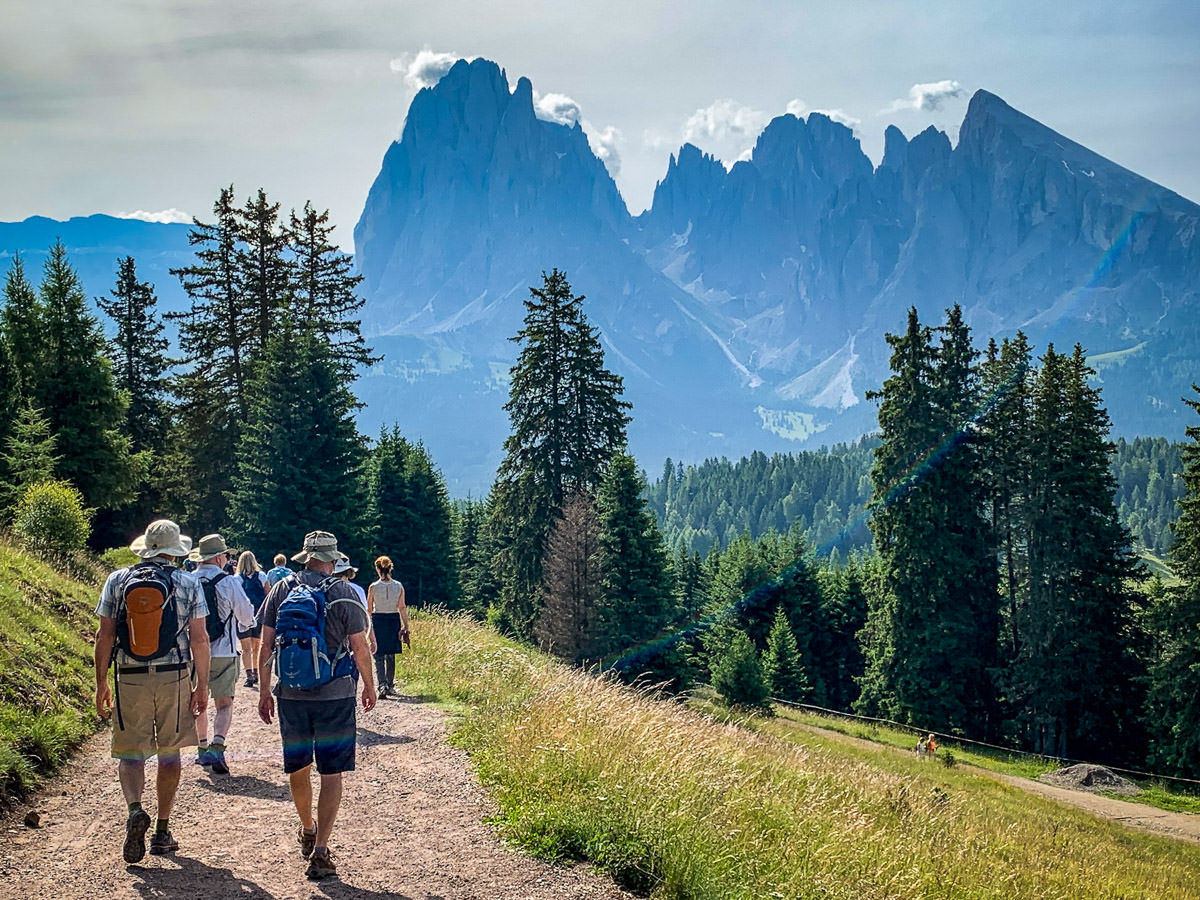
[(369, 738), (194, 879), (246, 786), (337, 890)]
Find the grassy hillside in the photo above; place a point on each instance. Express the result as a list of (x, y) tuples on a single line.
[(46, 681), (675, 805)]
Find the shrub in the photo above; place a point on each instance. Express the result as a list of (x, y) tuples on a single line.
[(50, 518)]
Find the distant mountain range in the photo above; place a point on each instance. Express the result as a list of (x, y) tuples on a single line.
[(746, 308)]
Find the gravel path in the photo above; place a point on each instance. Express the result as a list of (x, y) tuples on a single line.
[(411, 827)]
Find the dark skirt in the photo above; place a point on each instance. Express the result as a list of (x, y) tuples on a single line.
[(387, 633)]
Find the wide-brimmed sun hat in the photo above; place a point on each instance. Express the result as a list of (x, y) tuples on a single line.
[(319, 545), (211, 545), (343, 565), (162, 538)]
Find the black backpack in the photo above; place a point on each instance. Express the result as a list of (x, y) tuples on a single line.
[(213, 623), (254, 590), (146, 619)]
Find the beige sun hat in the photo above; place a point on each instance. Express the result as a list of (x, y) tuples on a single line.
[(318, 545), (162, 538), (211, 545)]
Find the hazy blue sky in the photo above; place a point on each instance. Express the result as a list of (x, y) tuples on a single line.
[(152, 105)]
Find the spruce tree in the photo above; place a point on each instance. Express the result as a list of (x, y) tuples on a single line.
[(1173, 702), (23, 324), (782, 667), (324, 285), (474, 552), (28, 457), (77, 394), (138, 353), (638, 599), (1072, 682), (567, 422), (299, 466), (266, 272), (737, 674)]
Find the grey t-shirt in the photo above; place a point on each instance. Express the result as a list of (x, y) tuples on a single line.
[(341, 621)]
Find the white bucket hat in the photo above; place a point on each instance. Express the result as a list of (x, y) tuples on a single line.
[(162, 538)]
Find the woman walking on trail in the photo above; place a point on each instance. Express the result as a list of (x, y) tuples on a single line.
[(389, 616), (254, 583)]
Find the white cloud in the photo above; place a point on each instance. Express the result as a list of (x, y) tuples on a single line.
[(723, 120), (796, 108), (556, 108), (163, 215), (425, 68), (604, 144), (927, 97), (839, 116)]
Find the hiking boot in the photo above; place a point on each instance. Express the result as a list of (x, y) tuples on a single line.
[(383, 691), (162, 842), (320, 865), (135, 836), (203, 758), (307, 840), (216, 759)]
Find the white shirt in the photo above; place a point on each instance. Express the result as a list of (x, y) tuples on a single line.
[(233, 608)]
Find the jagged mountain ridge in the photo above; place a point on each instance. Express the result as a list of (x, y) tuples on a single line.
[(766, 289)]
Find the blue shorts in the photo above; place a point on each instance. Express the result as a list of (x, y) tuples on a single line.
[(324, 728)]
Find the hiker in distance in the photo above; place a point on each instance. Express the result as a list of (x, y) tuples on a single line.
[(317, 629), (228, 609), (152, 620), (389, 619)]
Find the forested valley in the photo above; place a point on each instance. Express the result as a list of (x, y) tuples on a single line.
[(972, 568)]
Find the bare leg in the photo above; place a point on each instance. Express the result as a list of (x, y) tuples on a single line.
[(302, 795), (132, 773), (249, 655), (168, 781), (327, 807), (202, 727), (223, 717)]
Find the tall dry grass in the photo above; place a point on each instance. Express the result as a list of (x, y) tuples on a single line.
[(678, 806)]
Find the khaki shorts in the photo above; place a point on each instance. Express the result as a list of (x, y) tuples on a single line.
[(154, 714), (222, 676)]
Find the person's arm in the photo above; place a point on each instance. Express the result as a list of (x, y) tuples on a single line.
[(106, 639), (403, 610), (242, 608), (266, 701), (198, 637), (362, 660), (371, 600)]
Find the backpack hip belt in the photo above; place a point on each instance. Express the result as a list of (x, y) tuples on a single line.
[(142, 670)]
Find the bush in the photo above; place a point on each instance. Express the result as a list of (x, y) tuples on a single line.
[(50, 518)]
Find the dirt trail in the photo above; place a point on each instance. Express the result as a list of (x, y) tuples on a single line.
[(1181, 826), (411, 827)]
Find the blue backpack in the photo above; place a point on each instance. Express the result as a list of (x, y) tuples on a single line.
[(255, 591), (302, 659)]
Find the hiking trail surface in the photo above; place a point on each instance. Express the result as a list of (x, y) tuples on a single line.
[(411, 826)]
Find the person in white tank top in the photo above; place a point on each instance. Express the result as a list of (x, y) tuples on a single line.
[(389, 618)]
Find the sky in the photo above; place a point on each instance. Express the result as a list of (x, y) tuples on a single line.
[(149, 107)]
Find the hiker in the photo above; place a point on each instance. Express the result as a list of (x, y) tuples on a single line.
[(280, 571), (152, 618), (254, 583), (344, 570), (389, 621), (314, 625), (930, 745), (228, 609)]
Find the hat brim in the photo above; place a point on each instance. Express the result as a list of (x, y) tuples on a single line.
[(139, 548), (324, 555)]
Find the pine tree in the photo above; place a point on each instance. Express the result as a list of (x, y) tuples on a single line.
[(23, 324), (1173, 702), (139, 356), (299, 466), (566, 625), (78, 396), (737, 674), (265, 272), (782, 668), (638, 602), (324, 289), (28, 457), (567, 422), (474, 552), (1072, 683)]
